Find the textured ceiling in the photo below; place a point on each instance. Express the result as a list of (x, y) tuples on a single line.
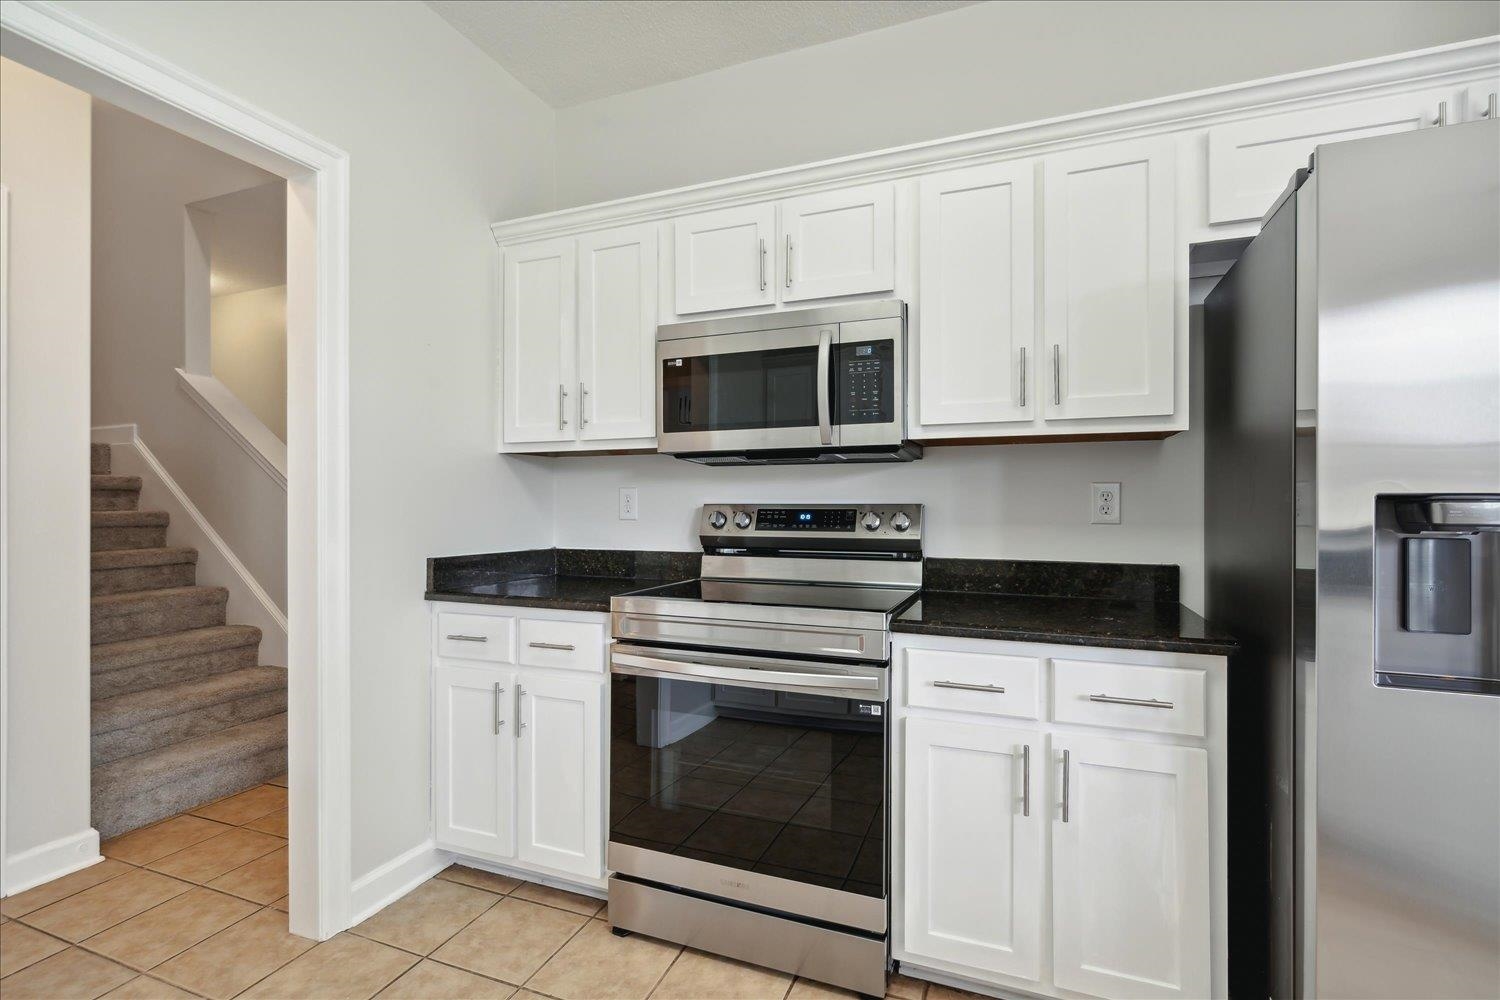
[(569, 51)]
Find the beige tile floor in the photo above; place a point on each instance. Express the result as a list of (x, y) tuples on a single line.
[(195, 907)]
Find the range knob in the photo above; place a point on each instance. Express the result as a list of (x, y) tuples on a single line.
[(900, 521), (742, 520), (717, 520), (872, 521)]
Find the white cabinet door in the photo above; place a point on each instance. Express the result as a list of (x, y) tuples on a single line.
[(974, 845), (1482, 100), (1108, 304), (977, 330), (838, 243), (474, 769), (1250, 162), (617, 334), (723, 259), (539, 334), (1130, 869), (559, 812)]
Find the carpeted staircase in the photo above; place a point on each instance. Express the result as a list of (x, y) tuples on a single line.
[(182, 711)]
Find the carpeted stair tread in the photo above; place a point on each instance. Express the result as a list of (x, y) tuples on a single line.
[(133, 652), (115, 492), (111, 482), (133, 791), (119, 571), (139, 664), (133, 558), (99, 459), (129, 518), (123, 711), (142, 613)]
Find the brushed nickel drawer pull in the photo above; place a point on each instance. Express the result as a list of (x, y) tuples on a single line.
[(566, 647), (1109, 699), (961, 686), (459, 637)]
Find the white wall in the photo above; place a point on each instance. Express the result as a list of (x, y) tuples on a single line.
[(441, 143), (976, 68), (44, 130), (248, 331), (144, 177)]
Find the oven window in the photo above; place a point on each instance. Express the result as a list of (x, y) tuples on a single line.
[(785, 784), (745, 391)]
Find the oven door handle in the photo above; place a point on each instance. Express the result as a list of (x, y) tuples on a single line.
[(825, 404), (652, 666)]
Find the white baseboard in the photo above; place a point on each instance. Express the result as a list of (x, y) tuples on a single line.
[(249, 604), (51, 860), (380, 888)]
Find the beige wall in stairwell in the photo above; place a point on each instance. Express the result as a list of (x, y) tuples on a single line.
[(248, 333), (144, 176), (44, 132)]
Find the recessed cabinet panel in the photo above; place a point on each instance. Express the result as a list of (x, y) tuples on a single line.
[(973, 845), (838, 243), (977, 309), (1109, 325), (475, 781), (561, 722), (724, 259), (539, 342), (1130, 869), (1251, 162), (617, 334)]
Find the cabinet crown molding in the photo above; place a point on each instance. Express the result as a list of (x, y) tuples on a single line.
[(1196, 108)]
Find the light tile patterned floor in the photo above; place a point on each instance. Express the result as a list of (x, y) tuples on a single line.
[(195, 907)]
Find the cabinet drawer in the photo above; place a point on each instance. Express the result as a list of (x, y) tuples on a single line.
[(572, 645), (475, 637), (1129, 696), (972, 682)]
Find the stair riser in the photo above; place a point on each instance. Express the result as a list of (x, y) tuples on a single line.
[(109, 539), (114, 499), (123, 581), (157, 621), (184, 726), (99, 459), (121, 808), (139, 677)]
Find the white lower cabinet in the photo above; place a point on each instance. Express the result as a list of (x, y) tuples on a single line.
[(974, 858), (560, 727), (475, 740)]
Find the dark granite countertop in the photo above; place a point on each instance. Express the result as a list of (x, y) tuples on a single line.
[(562, 579), (564, 593), (1078, 621)]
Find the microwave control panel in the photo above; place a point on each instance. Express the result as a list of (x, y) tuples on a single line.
[(865, 382)]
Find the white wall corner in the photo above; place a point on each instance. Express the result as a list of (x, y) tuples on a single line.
[(249, 602), (236, 420), (380, 888), (51, 860)]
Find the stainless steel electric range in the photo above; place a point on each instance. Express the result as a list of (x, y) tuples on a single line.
[(749, 712)]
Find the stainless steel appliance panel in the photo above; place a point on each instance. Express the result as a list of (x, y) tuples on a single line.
[(1406, 886)]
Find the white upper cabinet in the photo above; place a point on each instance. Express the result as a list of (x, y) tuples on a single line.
[(560, 765), (539, 341), (474, 729), (724, 259), (977, 327), (974, 860), (1130, 869), (617, 334), (838, 243), (1250, 162), (1109, 281)]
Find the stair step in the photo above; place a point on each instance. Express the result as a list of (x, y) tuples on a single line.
[(133, 792), (128, 529), (145, 613), (137, 664), (118, 571), (115, 492), (135, 723), (99, 459)]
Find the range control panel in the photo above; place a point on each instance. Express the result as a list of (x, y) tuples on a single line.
[(858, 525)]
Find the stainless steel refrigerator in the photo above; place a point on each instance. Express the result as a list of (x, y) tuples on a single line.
[(1352, 544)]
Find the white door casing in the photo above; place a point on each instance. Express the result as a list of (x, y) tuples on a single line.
[(723, 259), (617, 293), (539, 335), (837, 243)]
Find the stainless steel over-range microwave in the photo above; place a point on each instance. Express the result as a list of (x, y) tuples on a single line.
[(815, 385)]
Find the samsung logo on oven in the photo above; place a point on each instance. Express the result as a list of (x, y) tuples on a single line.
[(731, 883)]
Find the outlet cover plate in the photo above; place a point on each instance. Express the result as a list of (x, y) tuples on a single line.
[(630, 504), (1106, 503)]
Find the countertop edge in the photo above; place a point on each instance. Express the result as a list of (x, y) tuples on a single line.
[(548, 603), (1207, 647)]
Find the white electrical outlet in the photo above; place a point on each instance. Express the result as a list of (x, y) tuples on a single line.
[(1106, 503), (629, 504)]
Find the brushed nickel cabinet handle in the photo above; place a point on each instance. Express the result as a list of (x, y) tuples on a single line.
[(1023, 376), (961, 686), (762, 265), (1066, 761), (1442, 115), (498, 721), (1489, 108), (1056, 375), (566, 647), (520, 722), (583, 396), (562, 407), (460, 637), (1026, 780), (789, 262), (1109, 699)]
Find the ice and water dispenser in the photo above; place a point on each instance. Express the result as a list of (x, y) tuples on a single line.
[(1437, 592)]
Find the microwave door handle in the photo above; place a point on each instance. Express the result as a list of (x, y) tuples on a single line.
[(825, 414)]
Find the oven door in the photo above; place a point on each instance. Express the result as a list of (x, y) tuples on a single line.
[(759, 781)]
